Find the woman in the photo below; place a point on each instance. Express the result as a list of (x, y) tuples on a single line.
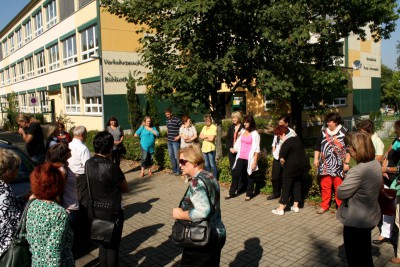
[(10, 207), (331, 159), (187, 132), (208, 134), (294, 162), (47, 225), (147, 134), (116, 131), (246, 148), (196, 206), (53, 136), (233, 134), (60, 153), (63, 135), (107, 183), (359, 192), (386, 224)]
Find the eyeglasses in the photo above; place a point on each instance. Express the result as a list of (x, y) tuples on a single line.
[(183, 162)]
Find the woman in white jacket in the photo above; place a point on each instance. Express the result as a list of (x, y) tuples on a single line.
[(246, 147)]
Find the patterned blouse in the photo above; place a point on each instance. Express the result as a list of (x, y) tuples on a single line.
[(10, 213), (196, 201), (49, 234), (332, 152)]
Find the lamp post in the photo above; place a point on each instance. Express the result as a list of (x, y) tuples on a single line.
[(96, 56)]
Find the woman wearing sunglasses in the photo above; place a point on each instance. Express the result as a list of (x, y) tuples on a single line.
[(196, 206)]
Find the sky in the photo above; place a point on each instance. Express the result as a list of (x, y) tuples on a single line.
[(389, 53)]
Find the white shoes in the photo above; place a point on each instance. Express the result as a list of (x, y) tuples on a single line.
[(278, 212), (295, 209)]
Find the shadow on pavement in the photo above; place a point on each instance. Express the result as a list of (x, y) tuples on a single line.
[(251, 255), (326, 254), (138, 207)]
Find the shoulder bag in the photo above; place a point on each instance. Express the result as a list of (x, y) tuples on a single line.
[(193, 234), (100, 230), (18, 255)]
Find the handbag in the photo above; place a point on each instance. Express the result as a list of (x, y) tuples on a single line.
[(192, 234), (100, 230), (18, 254), (386, 201)]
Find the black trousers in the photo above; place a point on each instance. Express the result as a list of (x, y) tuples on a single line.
[(357, 242), (242, 186), (116, 157), (240, 174), (276, 177), (108, 252), (290, 184), (208, 256)]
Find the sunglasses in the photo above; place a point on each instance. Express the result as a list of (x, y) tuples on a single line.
[(183, 162)]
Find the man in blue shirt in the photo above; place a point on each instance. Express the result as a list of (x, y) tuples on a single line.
[(173, 125)]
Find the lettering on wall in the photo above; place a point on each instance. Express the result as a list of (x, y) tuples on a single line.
[(115, 79), (121, 62)]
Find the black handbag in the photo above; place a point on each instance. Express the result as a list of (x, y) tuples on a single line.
[(100, 230), (18, 254), (193, 234)]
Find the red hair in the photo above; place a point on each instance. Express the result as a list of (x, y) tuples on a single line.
[(47, 181), (281, 129)]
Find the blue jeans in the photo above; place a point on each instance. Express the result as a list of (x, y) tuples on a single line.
[(209, 159), (173, 148)]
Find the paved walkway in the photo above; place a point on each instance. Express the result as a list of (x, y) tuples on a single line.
[(255, 237)]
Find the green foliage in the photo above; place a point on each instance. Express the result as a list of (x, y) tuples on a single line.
[(64, 119), (390, 85), (161, 156), (89, 139), (135, 112), (12, 111), (132, 145), (151, 108), (377, 118), (38, 117)]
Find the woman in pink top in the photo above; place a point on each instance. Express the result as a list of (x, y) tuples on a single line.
[(246, 147)]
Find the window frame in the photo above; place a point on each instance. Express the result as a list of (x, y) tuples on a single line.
[(6, 48), (19, 38), (38, 18), (84, 36), (54, 63), (28, 31), (14, 73), (12, 44), (30, 67), (340, 104), (70, 56), (21, 68), (8, 76), (40, 63), (72, 102), (88, 107), (51, 21), (3, 78), (43, 100), (23, 105)]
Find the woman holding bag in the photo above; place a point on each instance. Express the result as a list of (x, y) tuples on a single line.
[(196, 205)]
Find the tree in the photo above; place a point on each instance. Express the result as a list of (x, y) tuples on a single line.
[(12, 110), (135, 112), (398, 55), (151, 108), (192, 46), (388, 95)]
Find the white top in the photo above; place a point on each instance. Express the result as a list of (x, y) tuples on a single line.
[(378, 144), (277, 143), (255, 148), (79, 155)]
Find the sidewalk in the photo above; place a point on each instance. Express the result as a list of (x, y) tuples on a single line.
[(255, 237)]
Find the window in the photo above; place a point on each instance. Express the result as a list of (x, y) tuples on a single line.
[(72, 102), (21, 68), (2, 78), (44, 102), (28, 31), (51, 15), (38, 23), (69, 51), (12, 44), (8, 76), (23, 104), (14, 73), (93, 105), (269, 105), (5, 48), (67, 8), (31, 107), (30, 67), (40, 63), (339, 102), (54, 57), (18, 34), (89, 42)]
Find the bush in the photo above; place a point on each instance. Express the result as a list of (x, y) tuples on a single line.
[(89, 139), (132, 145), (161, 156)]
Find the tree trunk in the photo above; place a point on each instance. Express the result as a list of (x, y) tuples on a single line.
[(296, 114)]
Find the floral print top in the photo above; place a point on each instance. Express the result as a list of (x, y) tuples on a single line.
[(196, 201), (49, 234), (10, 213)]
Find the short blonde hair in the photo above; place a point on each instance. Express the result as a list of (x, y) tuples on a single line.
[(238, 115), (193, 154), (23, 118), (9, 162), (362, 145)]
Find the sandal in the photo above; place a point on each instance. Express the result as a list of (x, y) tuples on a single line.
[(142, 174), (149, 173)]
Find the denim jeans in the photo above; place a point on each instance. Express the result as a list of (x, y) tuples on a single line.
[(147, 158), (210, 164), (173, 148)]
